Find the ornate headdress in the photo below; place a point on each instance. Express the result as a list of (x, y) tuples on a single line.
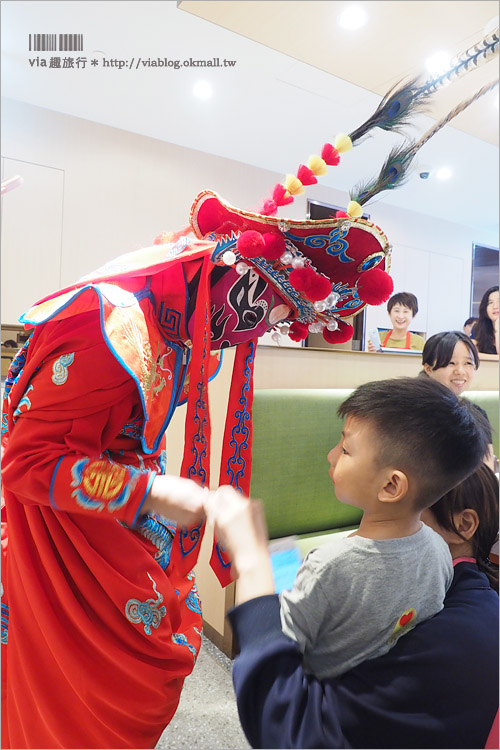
[(322, 272), (331, 269)]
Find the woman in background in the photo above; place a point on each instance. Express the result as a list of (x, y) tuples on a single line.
[(401, 308), (451, 358), (485, 332), (467, 519)]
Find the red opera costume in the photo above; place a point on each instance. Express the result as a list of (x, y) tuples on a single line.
[(103, 628), (103, 615), (101, 619)]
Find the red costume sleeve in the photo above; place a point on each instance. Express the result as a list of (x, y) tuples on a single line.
[(63, 428)]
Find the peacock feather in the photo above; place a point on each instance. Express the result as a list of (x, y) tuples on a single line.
[(396, 108), (396, 168), (405, 99), (394, 173)]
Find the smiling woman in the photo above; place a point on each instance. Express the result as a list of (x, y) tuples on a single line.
[(451, 358), (402, 308)]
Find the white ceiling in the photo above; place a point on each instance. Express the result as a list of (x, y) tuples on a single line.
[(276, 105)]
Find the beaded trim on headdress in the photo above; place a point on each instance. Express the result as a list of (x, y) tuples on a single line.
[(322, 293)]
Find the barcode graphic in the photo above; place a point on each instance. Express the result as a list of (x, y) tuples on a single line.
[(55, 42)]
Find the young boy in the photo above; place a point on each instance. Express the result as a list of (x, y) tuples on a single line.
[(401, 308), (405, 443)]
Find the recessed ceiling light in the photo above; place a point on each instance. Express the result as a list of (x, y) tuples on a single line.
[(353, 17), (438, 63), (203, 90), (444, 173)]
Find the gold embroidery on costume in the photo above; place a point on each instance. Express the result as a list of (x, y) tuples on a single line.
[(143, 351)]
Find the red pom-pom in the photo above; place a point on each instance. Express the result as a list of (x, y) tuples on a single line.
[(306, 175), (319, 288), (301, 278), (341, 215), (250, 244), (298, 331), (268, 208), (330, 155), (279, 198), (313, 286), (375, 286), (274, 246), (343, 333)]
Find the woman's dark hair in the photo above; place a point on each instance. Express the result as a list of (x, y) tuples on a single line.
[(479, 492), (438, 349), (483, 332), (403, 298)]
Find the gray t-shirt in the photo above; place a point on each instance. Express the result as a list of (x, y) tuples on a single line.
[(354, 597)]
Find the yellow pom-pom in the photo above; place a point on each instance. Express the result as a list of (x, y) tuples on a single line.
[(317, 165), (293, 185), (354, 209), (343, 143)]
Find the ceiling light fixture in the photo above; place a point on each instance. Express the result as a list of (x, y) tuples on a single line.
[(352, 17), (444, 173), (438, 63), (203, 90)]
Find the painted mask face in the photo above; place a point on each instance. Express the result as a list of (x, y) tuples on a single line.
[(243, 307)]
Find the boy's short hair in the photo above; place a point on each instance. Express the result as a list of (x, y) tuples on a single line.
[(469, 321), (422, 429), (403, 298)]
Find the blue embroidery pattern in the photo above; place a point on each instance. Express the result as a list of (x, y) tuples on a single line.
[(240, 432), (5, 424), (16, 367), (5, 623), (199, 446), (160, 534), (147, 612), (133, 429), (333, 242), (193, 535), (98, 486), (162, 460), (193, 600), (346, 291), (23, 402), (60, 368), (181, 640)]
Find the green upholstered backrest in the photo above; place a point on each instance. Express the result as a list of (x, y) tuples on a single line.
[(488, 400), (294, 430)]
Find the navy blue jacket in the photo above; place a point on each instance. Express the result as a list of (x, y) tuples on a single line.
[(436, 688)]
